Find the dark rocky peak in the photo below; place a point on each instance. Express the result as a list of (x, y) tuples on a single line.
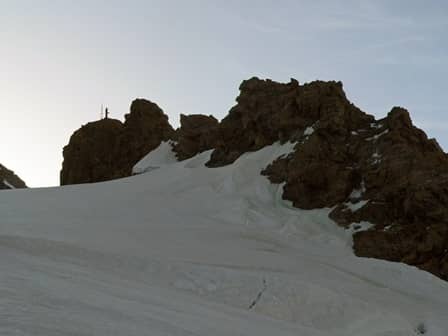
[(108, 149), (398, 118), (268, 111), (9, 180), (147, 116), (90, 154), (197, 133), (145, 127)]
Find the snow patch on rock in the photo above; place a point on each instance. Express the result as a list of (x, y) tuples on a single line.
[(162, 155), (9, 185)]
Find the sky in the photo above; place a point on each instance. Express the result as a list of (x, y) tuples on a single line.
[(60, 60)]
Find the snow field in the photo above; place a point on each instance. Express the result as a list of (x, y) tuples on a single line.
[(182, 249)]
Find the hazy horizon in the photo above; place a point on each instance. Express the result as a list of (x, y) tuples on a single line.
[(61, 61)]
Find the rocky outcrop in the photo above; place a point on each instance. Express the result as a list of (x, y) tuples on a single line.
[(9, 180), (385, 172), (197, 133), (263, 115), (145, 127), (268, 111), (108, 149), (90, 154)]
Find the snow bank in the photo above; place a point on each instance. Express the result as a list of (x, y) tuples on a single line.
[(187, 250)]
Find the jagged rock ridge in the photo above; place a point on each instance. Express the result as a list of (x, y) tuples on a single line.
[(108, 149), (385, 172), (9, 180)]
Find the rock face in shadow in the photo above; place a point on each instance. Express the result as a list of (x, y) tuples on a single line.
[(90, 154), (268, 111), (108, 149), (9, 180), (385, 172), (197, 133), (145, 127)]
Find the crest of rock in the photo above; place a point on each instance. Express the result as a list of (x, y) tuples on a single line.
[(108, 149), (9, 180), (268, 111), (145, 127), (89, 156), (196, 134)]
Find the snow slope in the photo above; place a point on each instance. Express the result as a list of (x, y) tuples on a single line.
[(189, 250)]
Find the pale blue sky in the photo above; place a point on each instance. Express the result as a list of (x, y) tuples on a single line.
[(61, 59)]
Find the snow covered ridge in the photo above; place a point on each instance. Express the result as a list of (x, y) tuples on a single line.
[(189, 250)]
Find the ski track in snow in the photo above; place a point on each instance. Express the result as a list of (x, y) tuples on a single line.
[(189, 250)]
